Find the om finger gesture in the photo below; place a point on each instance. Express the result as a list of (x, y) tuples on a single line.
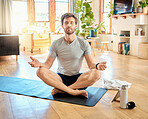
[(34, 62)]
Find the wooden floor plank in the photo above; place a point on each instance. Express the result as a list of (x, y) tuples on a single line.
[(19, 106), (66, 110), (42, 108), (5, 107)]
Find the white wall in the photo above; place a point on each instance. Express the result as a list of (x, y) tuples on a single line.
[(0, 18), (131, 25), (105, 37), (95, 8)]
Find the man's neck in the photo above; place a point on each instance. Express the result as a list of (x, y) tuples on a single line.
[(69, 38)]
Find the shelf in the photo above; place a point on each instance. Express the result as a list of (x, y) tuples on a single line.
[(140, 36), (141, 24), (124, 37), (124, 16)]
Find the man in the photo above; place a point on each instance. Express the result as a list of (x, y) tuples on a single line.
[(70, 51)]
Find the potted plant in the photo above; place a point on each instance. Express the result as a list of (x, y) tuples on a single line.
[(139, 7), (142, 6), (145, 6), (88, 25)]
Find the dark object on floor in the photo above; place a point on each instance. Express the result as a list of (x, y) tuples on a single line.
[(131, 105), (37, 88)]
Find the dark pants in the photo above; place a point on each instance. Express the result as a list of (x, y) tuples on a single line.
[(68, 80)]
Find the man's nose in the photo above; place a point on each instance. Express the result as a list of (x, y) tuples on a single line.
[(68, 24)]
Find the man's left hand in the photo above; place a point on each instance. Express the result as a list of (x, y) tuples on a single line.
[(102, 66)]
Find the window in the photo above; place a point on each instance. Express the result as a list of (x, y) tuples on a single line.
[(38, 13), (104, 10), (41, 10), (62, 6), (19, 16)]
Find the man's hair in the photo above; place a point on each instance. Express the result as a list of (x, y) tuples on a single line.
[(67, 15)]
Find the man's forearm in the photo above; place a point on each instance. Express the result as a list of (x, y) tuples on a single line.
[(42, 65), (92, 66), (45, 65)]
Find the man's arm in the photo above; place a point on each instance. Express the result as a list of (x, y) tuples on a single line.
[(90, 61), (48, 63), (92, 65)]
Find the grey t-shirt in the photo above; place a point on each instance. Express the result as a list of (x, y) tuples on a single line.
[(69, 56)]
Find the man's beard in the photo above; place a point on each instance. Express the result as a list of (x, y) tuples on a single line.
[(69, 32)]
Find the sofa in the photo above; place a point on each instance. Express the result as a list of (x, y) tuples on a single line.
[(9, 45)]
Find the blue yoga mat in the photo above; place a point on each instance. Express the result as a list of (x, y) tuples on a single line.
[(37, 88)]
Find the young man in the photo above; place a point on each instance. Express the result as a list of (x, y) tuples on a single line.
[(70, 51)]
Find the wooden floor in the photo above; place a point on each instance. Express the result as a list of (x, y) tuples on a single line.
[(125, 68)]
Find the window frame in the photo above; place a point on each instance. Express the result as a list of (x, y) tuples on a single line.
[(52, 12), (101, 12)]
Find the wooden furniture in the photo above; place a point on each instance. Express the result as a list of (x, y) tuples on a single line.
[(32, 42), (91, 40), (124, 16), (105, 44), (143, 50), (9, 45)]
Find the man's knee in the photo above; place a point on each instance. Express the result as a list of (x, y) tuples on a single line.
[(40, 72), (95, 75)]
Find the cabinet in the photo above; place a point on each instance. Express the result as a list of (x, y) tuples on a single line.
[(123, 27), (9, 45), (125, 36)]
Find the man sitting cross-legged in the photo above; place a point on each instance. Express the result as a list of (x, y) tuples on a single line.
[(69, 51)]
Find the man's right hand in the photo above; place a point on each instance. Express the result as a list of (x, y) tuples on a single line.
[(34, 62)]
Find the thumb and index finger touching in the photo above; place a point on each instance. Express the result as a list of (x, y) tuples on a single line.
[(104, 62), (32, 58)]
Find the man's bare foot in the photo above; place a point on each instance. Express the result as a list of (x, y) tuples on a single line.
[(74, 93), (55, 91), (80, 93)]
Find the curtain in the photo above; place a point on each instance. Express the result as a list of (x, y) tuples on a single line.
[(5, 16)]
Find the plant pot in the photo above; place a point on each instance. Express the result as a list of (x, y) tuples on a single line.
[(145, 9), (139, 10), (96, 32), (92, 33)]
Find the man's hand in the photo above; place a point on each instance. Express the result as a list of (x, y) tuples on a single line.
[(34, 62), (102, 66)]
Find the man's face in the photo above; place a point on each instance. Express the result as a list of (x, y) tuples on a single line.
[(69, 25)]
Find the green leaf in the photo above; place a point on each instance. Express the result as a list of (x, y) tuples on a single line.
[(78, 3), (83, 26)]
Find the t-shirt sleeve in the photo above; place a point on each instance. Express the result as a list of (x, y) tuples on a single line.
[(52, 52), (87, 48)]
